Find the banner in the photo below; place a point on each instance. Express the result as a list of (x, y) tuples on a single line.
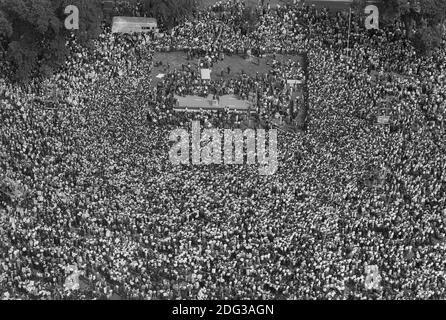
[(372, 277), (293, 82), (383, 119), (206, 74)]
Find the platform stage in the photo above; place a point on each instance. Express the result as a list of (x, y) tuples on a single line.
[(195, 103)]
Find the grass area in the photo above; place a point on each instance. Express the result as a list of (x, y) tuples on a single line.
[(239, 64), (173, 60), (236, 63)]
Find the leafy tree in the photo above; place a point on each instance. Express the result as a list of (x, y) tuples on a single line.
[(426, 39), (422, 19), (35, 33), (248, 19), (169, 12)]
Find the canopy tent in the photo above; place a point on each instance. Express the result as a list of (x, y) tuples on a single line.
[(134, 25)]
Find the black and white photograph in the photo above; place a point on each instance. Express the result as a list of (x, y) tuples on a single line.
[(244, 152)]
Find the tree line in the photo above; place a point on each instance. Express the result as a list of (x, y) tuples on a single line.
[(424, 20), (33, 36)]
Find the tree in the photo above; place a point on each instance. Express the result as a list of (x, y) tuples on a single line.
[(248, 19), (35, 33), (426, 39), (422, 20), (169, 12)]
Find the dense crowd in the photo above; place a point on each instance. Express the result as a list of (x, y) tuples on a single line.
[(86, 180)]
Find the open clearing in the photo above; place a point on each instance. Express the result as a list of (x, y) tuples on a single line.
[(237, 64)]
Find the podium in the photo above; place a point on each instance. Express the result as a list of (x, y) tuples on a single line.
[(213, 103)]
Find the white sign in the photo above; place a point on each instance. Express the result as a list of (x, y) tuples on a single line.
[(383, 119), (293, 82), (372, 278), (72, 281), (371, 21), (206, 74)]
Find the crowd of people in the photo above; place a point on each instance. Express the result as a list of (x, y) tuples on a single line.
[(86, 179)]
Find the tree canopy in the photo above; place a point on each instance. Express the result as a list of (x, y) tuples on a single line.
[(248, 19), (35, 35), (168, 12), (423, 19)]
